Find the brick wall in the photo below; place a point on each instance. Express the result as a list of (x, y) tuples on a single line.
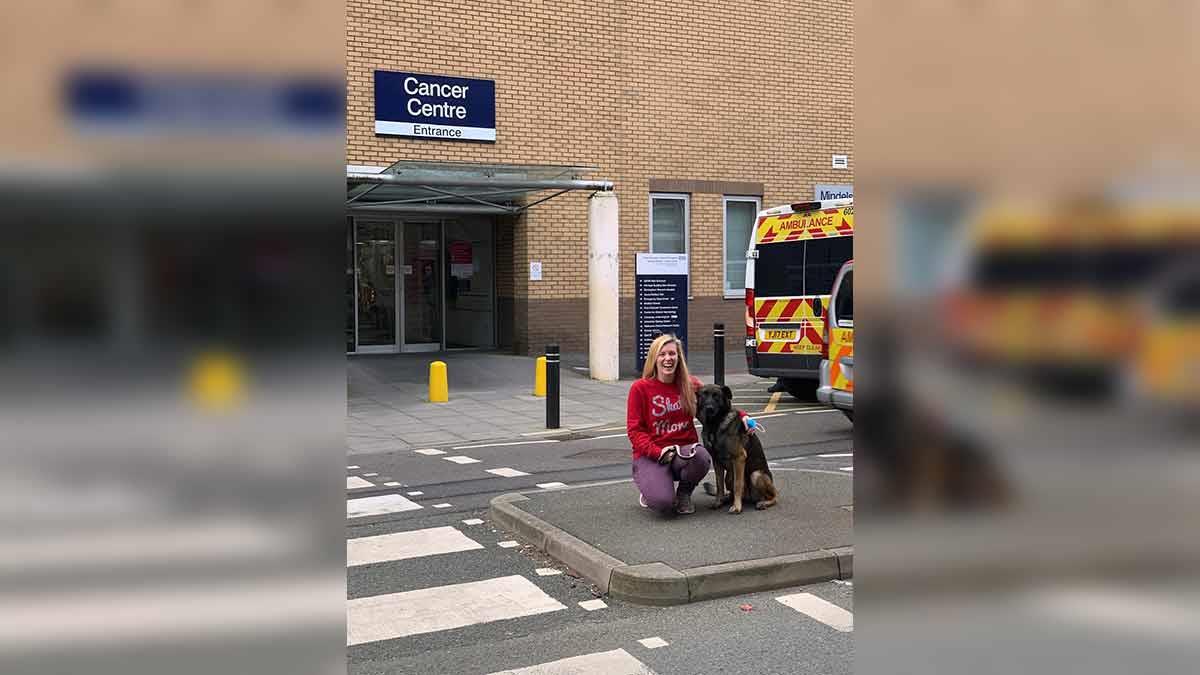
[(703, 91)]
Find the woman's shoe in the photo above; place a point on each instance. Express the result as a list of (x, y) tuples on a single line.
[(642, 501)]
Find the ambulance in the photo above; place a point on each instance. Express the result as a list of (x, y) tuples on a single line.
[(794, 257), (836, 386)]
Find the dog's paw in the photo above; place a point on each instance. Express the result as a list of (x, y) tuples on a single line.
[(760, 506), (717, 504), (735, 509)]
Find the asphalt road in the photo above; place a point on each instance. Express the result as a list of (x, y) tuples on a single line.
[(482, 607)]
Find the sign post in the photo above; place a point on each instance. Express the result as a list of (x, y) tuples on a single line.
[(660, 300)]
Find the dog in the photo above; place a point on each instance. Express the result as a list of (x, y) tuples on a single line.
[(738, 458)]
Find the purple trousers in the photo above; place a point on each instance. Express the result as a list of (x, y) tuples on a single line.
[(656, 481)]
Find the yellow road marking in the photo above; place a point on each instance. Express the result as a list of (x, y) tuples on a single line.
[(774, 401)]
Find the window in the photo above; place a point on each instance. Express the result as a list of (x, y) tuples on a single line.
[(741, 213), (844, 302), (803, 267), (823, 258), (668, 223)]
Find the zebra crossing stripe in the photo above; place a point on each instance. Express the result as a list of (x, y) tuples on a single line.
[(616, 662), (356, 483), (406, 545), (428, 610), (822, 610), (379, 505)]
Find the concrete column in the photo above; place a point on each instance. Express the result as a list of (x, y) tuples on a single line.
[(604, 288)]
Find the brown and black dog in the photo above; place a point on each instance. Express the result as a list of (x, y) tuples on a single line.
[(738, 458)]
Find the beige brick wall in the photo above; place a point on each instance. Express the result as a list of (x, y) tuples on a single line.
[(699, 90)]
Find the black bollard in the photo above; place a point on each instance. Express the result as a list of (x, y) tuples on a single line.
[(552, 358), (719, 353)]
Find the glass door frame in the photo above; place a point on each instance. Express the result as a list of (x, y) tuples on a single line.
[(401, 288), (397, 289)]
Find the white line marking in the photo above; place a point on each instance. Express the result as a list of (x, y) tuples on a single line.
[(593, 605), (596, 438), (552, 486), (1119, 608), (547, 571), (145, 544), (352, 466), (443, 505), (499, 445), (653, 642), (132, 618), (393, 483), (586, 427), (838, 454), (415, 493), (507, 472), (616, 662), (428, 610), (356, 483), (813, 412), (764, 417), (473, 521), (406, 545), (370, 475), (430, 451), (847, 468), (461, 459), (507, 544), (377, 506), (822, 610)]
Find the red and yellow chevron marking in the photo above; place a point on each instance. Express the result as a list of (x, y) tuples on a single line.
[(810, 342), (785, 310), (798, 312), (807, 225)]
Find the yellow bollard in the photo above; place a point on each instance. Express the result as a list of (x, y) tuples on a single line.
[(539, 377), (439, 389)]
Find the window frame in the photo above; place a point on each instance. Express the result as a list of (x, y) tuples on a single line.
[(725, 199), (686, 198)]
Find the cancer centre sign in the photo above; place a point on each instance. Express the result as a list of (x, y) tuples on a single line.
[(434, 106)]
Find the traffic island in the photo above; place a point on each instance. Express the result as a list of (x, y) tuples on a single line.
[(643, 557)]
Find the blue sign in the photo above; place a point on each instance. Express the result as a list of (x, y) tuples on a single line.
[(116, 100), (660, 300), (434, 106)]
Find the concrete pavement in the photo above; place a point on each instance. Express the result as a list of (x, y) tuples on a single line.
[(491, 397)]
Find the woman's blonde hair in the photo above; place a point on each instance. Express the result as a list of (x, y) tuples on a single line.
[(683, 378)]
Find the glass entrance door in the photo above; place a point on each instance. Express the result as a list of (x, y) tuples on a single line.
[(422, 269), (375, 280)]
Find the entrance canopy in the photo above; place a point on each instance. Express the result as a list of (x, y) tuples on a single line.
[(459, 187)]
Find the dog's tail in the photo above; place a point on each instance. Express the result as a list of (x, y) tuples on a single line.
[(710, 489)]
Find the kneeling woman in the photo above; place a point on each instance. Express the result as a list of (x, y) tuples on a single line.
[(659, 419)]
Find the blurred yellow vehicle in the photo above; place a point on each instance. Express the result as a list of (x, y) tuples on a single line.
[(1061, 295)]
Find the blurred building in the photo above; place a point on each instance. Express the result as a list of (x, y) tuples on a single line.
[(697, 115)]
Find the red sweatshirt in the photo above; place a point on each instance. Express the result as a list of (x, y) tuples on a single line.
[(654, 418)]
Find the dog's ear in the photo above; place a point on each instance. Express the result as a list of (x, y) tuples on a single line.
[(728, 393)]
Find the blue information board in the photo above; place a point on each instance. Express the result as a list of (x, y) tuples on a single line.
[(434, 106), (660, 300)]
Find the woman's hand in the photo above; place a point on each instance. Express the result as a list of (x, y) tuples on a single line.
[(752, 425), (667, 454)]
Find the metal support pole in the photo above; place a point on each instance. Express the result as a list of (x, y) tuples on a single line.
[(552, 360), (719, 353)]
